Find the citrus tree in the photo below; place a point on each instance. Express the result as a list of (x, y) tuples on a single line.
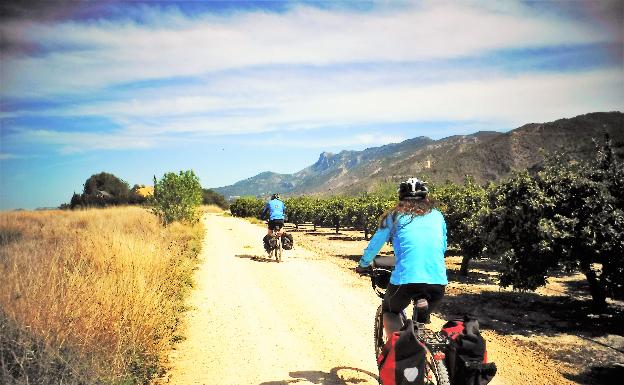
[(569, 215), (299, 209), (464, 207), (367, 209), (247, 207)]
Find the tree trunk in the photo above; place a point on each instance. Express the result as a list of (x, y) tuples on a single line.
[(337, 228), (463, 270), (596, 288), (365, 234)]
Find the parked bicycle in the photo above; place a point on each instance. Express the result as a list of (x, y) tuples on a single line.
[(435, 343)]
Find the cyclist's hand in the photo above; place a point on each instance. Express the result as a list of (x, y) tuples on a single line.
[(363, 270)]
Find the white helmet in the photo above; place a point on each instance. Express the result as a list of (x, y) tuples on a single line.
[(413, 188)]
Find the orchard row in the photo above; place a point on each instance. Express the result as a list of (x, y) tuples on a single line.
[(567, 216)]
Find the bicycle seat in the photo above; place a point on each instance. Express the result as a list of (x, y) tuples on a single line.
[(386, 261)]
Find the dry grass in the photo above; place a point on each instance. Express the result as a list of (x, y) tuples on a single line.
[(212, 209), (90, 296)]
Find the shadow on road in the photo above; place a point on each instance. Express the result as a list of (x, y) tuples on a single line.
[(341, 375), (256, 258), (611, 375), (530, 313)]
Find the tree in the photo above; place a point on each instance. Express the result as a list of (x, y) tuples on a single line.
[(569, 215), (177, 197), (211, 197), (76, 200), (247, 207), (104, 188), (368, 209), (464, 208)]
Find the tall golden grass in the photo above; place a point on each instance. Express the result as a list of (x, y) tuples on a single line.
[(91, 296)]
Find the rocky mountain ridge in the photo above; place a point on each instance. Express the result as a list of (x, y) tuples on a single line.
[(486, 155)]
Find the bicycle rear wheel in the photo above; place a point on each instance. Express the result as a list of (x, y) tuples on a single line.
[(378, 333), (436, 372), (443, 376), (277, 252)]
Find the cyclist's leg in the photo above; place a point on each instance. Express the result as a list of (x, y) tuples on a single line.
[(432, 293), (279, 226), (396, 299), (435, 294)]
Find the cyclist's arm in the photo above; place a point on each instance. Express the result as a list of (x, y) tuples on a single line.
[(264, 211), (444, 234), (376, 243)]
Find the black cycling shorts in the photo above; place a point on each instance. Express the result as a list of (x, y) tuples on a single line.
[(399, 296), (276, 224)]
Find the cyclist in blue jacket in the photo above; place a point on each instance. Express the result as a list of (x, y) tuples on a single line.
[(418, 234), (276, 209)]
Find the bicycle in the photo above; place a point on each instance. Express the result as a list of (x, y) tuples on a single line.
[(435, 343)]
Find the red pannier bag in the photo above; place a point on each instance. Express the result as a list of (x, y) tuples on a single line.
[(402, 359)]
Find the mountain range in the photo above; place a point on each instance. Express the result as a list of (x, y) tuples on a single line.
[(486, 155)]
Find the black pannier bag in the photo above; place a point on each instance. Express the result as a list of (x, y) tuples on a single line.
[(466, 359), (269, 242), (287, 241)]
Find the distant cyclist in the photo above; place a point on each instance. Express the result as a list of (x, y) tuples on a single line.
[(276, 210), (418, 234)]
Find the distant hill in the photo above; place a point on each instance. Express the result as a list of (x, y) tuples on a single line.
[(485, 155)]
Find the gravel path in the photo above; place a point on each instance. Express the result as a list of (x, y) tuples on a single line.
[(307, 320)]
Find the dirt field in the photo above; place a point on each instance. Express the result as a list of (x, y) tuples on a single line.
[(308, 320)]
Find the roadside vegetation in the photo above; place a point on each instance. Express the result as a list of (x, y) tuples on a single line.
[(91, 296)]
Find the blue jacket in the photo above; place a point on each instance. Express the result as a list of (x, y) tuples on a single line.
[(419, 245), (275, 208)]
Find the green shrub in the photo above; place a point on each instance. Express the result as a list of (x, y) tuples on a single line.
[(177, 197), (247, 207)]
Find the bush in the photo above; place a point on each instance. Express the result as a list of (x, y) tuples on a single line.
[(177, 197), (247, 207), (211, 197)]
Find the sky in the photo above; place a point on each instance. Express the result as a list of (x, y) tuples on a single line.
[(230, 89)]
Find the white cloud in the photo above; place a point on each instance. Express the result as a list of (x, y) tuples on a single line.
[(299, 70), (342, 142), (75, 142), (85, 57), (508, 101), (6, 155)]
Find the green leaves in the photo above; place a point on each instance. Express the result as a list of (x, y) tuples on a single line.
[(247, 207), (177, 197), (569, 215), (464, 208)]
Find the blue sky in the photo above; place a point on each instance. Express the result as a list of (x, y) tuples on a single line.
[(232, 89)]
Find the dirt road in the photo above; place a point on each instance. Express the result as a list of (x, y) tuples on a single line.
[(306, 320)]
